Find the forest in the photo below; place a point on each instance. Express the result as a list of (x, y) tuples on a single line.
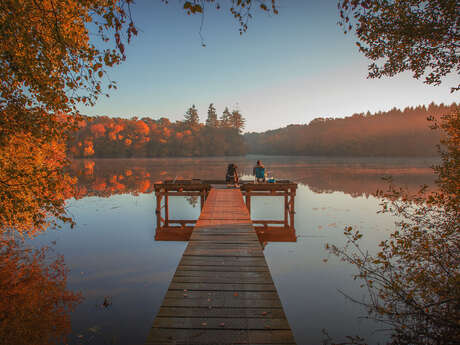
[(393, 133), (105, 137)]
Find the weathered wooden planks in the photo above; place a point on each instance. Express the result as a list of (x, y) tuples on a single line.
[(222, 291)]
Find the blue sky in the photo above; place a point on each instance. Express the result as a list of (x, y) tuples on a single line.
[(288, 68)]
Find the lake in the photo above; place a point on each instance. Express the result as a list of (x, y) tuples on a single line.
[(123, 272)]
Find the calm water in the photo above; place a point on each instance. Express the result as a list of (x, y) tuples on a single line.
[(112, 254)]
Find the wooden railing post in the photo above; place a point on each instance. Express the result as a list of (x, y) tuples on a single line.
[(291, 208), (166, 209), (248, 202), (286, 210), (158, 208), (202, 199)]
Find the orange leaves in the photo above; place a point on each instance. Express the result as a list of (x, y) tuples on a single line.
[(112, 136), (34, 185), (117, 137), (98, 130), (89, 149), (142, 128), (166, 132), (99, 186), (144, 186), (35, 306), (192, 8)]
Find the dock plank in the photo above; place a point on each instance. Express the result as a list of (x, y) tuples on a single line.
[(220, 323), (222, 291), (240, 313)]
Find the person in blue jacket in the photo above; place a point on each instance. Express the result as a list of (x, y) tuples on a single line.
[(259, 172)]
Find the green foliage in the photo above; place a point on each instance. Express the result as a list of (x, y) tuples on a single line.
[(225, 119), (191, 117), (406, 35), (237, 120), (212, 120)]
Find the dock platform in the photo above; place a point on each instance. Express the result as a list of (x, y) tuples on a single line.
[(222, 291)]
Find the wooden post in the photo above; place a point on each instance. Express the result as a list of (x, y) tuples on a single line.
[(286, 210), (291, 210), (202, 199), (166, 210), (158, 209), (248, 202)]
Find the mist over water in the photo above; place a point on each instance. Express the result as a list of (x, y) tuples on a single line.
[(123, 272)]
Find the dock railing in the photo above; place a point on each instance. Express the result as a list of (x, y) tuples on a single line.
[(170, 229)]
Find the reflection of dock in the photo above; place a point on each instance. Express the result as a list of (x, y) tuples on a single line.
[(222, 291), (265, 234)]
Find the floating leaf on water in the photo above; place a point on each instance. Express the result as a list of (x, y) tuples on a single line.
[(94, 329)]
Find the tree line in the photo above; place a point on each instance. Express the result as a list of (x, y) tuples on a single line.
[(105, 137), (392, 133)]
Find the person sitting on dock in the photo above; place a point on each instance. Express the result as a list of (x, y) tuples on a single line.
[(232, 174), (259, 172)]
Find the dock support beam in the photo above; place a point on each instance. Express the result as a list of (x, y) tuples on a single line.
[(248, 202), (158, 209)]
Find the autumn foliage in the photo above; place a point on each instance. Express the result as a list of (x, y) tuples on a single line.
[(48, 65), (393, 133), (414, 279), (35, 305), (116, 137)]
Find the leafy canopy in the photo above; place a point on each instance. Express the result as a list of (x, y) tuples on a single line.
[(406, 35), (54, 56)]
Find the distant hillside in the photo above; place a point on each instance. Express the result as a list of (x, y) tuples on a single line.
[(393, 133)]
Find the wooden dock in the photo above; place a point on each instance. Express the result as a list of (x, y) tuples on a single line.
[(222, 291)]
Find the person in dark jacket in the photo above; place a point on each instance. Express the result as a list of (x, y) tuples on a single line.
[(232, 174)]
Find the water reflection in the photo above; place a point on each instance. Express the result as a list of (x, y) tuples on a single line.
[(113, 252), (35, 304), (264, 233), (353, 176)]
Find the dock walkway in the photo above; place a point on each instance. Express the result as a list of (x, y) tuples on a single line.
[(222, 291)]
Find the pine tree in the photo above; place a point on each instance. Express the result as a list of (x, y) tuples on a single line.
[(237, 120), (212, 120), (225, 120), (191, 117)]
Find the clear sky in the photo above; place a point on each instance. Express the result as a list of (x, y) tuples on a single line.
[(288, 68)]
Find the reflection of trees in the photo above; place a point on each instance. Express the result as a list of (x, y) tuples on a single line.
[(106, 177), (192, 200), (35, 305)]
